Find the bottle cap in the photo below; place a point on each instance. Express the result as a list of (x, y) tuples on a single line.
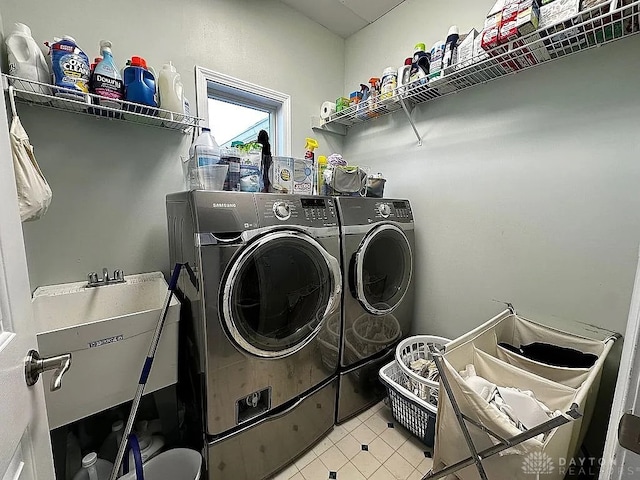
[(420, 47), (138, 62), (389, 71), (374, 80), (311, 144), (169, 66), (105, 46), (408, 61), (453, 30), (89, 459), (322, 160), (237, 143), (68, 38), (117, 426)]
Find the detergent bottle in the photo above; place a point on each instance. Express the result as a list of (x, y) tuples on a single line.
[(362, 106), (170, 91), (451, 48), (389, 83), (404, 74), (374, 94), (322, 166), (140, 85), (70, 67), (106, 81), (437, 55), (26, 59), (420, 64)]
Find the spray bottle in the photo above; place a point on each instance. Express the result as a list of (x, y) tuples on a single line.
[(322, 166), (310, 146), (374, 93), (361, 109)]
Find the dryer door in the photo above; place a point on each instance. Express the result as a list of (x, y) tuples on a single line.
[(278, 292), (383, 266)]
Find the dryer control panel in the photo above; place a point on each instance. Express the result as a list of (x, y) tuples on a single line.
[(395, 210), (365, 211), (311, 211)]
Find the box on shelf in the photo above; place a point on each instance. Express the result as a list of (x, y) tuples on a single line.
[(281, 175), (466, 49), (528, 18), (557, 12), (341, 104)]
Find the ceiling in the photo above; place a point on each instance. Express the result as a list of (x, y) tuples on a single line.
[(343, 17)]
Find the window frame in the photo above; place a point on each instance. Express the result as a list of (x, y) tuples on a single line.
[(235, 90)]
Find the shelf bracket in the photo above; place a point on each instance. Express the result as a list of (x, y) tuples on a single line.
[(318, 124), (408, 113), (12, 100)]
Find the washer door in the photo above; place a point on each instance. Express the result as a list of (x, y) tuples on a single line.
[(383, 267), (278, 292)]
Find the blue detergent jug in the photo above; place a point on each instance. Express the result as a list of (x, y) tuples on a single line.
[(140, 86)]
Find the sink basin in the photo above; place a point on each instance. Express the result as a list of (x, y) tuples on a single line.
[(107, 330)]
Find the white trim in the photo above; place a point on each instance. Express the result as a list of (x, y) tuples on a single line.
[(626, 392), (283, 112), (5, 338)]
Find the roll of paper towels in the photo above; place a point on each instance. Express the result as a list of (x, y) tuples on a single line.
[(327, 109)]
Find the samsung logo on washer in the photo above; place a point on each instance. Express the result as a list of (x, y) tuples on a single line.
[(223, 205)]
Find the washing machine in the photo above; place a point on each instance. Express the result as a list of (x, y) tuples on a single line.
[(378, 299), (261, 297)]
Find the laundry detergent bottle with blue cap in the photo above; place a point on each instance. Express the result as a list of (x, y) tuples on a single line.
[(107, 81)]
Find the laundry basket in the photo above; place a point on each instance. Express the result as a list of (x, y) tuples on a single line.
[(373, 333), (329, 341), (415, 414), (480, 348), (413, 349)]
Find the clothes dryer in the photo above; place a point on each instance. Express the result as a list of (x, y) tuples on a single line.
[(377, 238)]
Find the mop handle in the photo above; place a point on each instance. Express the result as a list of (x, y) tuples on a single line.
[(146, 369)]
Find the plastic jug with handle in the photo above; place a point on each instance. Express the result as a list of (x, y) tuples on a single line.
[(171, 92), (94, 468), (26, 60), (140, 86)]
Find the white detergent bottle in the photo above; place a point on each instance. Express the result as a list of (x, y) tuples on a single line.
[(26, 60), (170, 91), (94, 468)]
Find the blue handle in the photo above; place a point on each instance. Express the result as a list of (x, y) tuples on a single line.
[(134, 446), (174, 277)]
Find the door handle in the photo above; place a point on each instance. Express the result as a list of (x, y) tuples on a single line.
[(629, 432), (35, 365)]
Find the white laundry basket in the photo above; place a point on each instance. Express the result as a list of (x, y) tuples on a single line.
[(174, 464), (558, 388)]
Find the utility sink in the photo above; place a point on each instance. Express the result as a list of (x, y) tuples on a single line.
[(107, 330)]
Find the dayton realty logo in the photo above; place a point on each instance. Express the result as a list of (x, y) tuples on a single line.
[(538, 463)]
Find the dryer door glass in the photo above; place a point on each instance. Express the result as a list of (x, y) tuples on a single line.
[(383, 269), (278, 292)]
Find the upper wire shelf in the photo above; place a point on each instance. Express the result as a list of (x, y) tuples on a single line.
[(50, 96), (588, 29)]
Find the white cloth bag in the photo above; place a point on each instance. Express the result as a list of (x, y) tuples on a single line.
[(34, 193)]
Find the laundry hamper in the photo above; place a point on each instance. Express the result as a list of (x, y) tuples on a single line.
[(415, 414), (562, 389)]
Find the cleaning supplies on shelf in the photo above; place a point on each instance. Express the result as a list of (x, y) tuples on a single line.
[(106, 81), (420, 64), (70, 68), (94, 468), (150, 445), (374, 94), (450, 49), (170, 90), (303, 170), (342, 103), (437, 54), (389, 83), (250, 166), (404, 74), (140, 84), (26, 60), (322, 166), (281, 175), (361, 106)]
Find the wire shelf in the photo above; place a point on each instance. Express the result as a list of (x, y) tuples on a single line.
[(58, 98), (586, 30)]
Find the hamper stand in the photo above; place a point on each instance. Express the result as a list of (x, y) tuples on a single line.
[(500, 442)]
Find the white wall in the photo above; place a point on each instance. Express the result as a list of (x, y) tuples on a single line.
[(525, 190), (109, 180)]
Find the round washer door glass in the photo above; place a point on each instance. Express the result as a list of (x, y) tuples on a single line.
[(383, 269), (278, 292)]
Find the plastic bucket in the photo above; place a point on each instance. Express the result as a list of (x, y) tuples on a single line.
[(175, 464)]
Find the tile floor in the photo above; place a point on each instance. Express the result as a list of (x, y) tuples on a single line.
[(370, 446)]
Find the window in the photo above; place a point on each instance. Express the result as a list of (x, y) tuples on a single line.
[(236, 110)]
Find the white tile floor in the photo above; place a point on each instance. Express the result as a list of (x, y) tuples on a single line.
[(370, 446)]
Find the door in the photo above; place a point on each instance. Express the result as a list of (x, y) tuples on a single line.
[(278, 292), (618, 462), (383, 266), (25, 446)]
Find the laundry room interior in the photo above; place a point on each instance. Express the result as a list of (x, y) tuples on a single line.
[(336, 239)]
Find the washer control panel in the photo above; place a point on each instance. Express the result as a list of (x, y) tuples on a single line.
[(396, 210), (312, 211)]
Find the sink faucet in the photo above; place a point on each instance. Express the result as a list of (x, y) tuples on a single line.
[(94, 281)]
